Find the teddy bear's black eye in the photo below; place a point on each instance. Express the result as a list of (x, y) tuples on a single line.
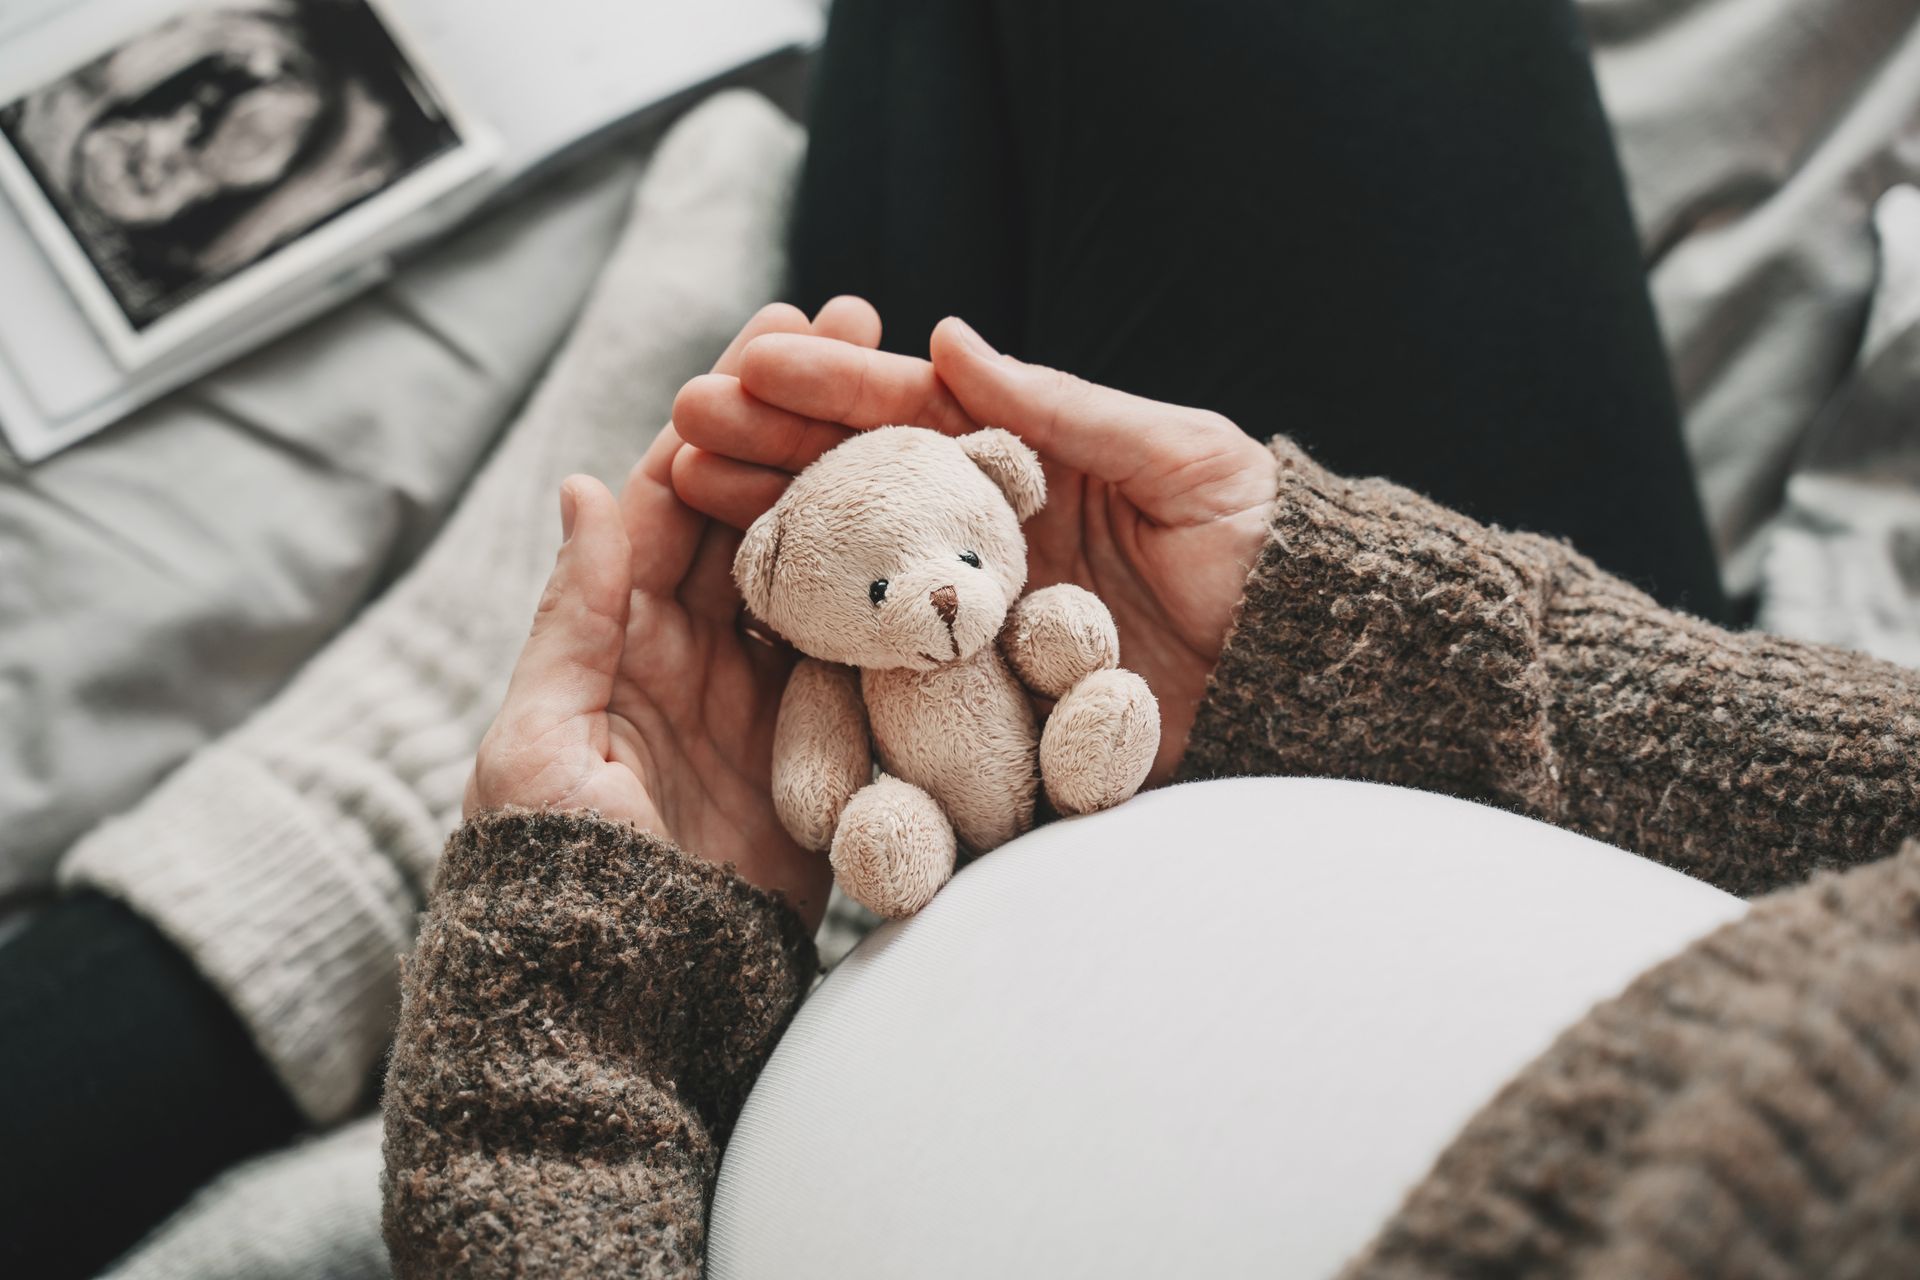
[(969, 558), (878, 591)]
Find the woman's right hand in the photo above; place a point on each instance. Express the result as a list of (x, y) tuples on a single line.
[(638, 695), (1158, 509)]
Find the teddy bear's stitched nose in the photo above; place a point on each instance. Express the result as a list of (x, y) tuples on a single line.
[(946, 603)]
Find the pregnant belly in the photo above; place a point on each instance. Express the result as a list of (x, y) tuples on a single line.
[(1219, 1030)]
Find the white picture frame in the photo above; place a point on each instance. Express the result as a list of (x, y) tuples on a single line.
[(305, 259)]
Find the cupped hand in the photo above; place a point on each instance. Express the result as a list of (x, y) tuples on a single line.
[(638, 694), (1159, 509)]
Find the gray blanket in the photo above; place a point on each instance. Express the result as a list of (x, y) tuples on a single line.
[(1759, 136), (1843, 564)]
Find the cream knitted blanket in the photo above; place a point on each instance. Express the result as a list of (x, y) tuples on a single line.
[(290, 858)]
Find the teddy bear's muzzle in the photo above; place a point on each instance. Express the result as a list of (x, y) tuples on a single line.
[(946, 603), (943, 622), (946, 606)]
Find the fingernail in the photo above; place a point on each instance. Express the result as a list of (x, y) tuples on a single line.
[(970, 338), (567, 510)]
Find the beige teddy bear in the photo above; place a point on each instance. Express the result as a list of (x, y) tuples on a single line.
[(896, 562)]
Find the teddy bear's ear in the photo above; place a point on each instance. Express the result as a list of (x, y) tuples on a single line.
[(753, 562), (1010, 465)]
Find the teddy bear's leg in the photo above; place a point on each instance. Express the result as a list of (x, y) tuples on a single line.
[(821, 753), (893, 849), (1099, 742), (1056, 636)]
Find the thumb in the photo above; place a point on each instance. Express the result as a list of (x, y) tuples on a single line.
[(568, 665), (1106, 433)]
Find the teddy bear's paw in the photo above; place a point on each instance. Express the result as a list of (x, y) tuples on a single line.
[(893, 848), (1057, 636), (1099, 742)]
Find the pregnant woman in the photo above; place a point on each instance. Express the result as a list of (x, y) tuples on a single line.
[(1391, 245), (620, 932)]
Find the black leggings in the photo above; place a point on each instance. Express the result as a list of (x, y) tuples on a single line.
[(1397, 233)]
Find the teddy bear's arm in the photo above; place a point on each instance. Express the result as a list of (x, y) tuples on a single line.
[(822, 750), (1057, 636)]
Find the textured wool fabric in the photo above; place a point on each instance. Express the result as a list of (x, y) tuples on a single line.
[(582, 1018), (309, 1212), (289, 859), (1386, 638)]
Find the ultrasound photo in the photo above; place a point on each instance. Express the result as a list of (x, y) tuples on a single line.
[(201, 147)]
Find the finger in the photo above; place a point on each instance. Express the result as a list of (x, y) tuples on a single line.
[(1108, 434), (849, 319), (838, 382), (735, 493), (663, 531), (566, 669), (715, 413), (775, 317)]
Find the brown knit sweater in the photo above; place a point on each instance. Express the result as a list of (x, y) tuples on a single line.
[(580, 1023), (588, 1006)]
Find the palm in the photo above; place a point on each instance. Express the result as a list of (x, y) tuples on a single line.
[(1170, 585), (690, 725), (661, 713)]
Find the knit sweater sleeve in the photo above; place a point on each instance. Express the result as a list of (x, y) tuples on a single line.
[(1384, 637), (581, 1020)]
